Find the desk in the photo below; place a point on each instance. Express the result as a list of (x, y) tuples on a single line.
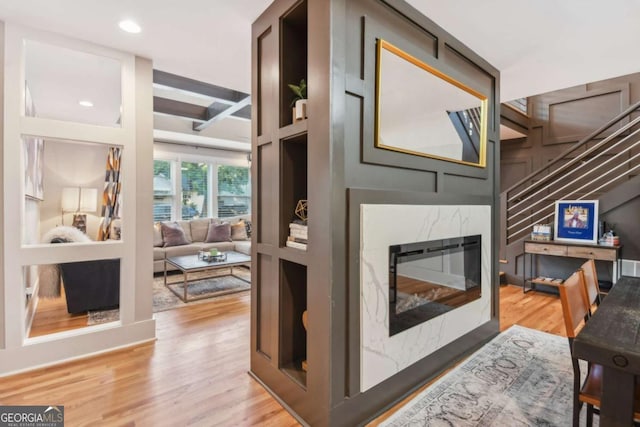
[(534, 248), (612, 339)]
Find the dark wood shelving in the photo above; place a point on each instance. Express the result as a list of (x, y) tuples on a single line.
[(293, 181), (330, 160), (294, 371), (293, 302), (293, 56), (294, 129), (281, 289), (294, 255)]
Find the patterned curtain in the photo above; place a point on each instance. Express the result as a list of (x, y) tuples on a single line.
[(111, 194)]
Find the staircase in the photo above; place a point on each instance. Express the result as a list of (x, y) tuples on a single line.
[(605, 160), (467, 125)]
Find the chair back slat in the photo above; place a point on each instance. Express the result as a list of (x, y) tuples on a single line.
[(575, 307), (591, 281)]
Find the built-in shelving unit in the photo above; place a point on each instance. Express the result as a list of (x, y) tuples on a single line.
[(329, 159), (293, 56), (279, 338)]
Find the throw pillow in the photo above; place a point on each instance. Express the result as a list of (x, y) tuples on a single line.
[(173, 234), (186, 227), (239, 231), (219, 233), (248, 227), (199, 229)]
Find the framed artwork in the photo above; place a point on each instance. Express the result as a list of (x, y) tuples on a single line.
[(576, 221), (33, 167)]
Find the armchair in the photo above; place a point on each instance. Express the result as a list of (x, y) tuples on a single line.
[(88, 285), (91, 285)]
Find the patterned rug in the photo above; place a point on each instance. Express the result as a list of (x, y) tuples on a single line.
[(205, 284), (522, 377)]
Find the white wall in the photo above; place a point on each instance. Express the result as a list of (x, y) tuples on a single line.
[(136, 324), (71, 164)]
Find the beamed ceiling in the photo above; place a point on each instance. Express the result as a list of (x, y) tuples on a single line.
[(204, 108)]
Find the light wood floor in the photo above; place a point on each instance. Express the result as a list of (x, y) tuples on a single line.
[(51, 316), (196, 371)]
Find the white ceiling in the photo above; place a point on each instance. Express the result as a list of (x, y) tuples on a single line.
[(538, 45)]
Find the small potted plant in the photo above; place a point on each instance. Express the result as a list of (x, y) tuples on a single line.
[(299, 102)]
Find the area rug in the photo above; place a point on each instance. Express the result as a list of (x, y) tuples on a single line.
[(522, 377), (207, 284)]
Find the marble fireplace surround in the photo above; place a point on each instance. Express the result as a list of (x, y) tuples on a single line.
[(382, 225)]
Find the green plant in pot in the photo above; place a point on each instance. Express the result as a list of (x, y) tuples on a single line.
[(299, 102)]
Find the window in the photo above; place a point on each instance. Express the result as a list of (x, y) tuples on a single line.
[(234, 191), (195, 186), (196, 189), (162, 190)]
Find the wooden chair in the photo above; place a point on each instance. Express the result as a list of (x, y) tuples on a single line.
[(591, 283), (575, 309)]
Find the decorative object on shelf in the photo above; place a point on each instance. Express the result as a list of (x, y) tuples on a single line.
[(79, 201), (576, 221), (299, 102), (301, 209), (298, 235), (541, 232), (610, 238)]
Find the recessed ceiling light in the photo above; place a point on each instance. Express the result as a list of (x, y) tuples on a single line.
[(129, 26), (86, 103)]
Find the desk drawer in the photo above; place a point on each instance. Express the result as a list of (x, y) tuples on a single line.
[(541, 248), (593, 253)]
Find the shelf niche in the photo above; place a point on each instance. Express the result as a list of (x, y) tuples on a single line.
[(293, 336), (293, 56), (294, 181)]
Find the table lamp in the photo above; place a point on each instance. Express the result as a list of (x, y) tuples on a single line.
[(79, 200)]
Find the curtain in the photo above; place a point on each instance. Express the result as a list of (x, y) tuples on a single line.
[(111, 193)]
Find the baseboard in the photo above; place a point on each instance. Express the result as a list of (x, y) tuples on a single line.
[(280, 401)]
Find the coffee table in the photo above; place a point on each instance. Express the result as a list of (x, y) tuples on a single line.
[(191, 263)]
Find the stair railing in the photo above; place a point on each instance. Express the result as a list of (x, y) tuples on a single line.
[(590, 166)]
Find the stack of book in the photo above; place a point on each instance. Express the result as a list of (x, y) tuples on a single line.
[(297, 235)]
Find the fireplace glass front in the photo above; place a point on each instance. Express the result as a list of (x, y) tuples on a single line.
[(427, 279)]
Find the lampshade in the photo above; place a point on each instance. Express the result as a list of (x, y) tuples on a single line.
[(88, 199), (76, 199), (70, 197)]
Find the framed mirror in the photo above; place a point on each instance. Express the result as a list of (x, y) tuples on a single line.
[(424, 112)]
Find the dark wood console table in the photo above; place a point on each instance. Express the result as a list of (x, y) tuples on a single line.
[(610, 338), (534, 248)]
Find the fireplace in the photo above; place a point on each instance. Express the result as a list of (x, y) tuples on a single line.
[(383, 355), (430, 278)]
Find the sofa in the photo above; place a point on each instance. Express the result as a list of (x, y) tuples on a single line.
[(177, 238)]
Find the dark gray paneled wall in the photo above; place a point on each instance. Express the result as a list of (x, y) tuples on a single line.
[(365, 174), (562, 118), (332, 154)]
